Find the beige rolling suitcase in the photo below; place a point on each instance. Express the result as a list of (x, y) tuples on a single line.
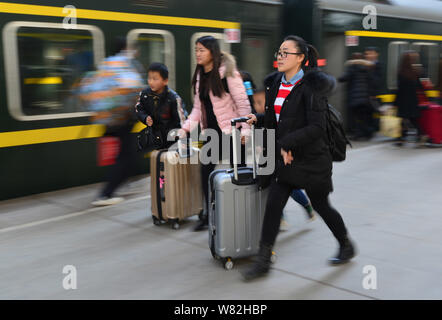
[(176, 191)]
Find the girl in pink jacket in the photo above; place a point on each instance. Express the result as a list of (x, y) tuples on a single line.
[(220, 96)]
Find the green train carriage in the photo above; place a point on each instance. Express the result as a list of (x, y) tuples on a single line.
[(41, 150), (46, 139), (336, 28)]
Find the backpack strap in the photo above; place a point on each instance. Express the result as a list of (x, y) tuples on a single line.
[(327, 126), (225, 85)]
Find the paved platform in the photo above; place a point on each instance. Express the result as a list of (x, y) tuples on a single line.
[(389, 197)]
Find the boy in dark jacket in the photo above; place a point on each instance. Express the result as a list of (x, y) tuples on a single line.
[(158, 106)]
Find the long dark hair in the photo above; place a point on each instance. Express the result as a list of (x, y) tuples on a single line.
[(214, 81), (310, 53), (406, 68)]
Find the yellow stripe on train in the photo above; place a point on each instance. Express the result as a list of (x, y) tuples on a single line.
[(29, 137), (47, 80), (31, 9), (393, 35), (388, 98)]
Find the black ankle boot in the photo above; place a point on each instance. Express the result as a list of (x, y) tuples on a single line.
[(202, 224), (261, 265), (346, 252)]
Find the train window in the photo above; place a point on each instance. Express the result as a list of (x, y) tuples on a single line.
[(44, 63), (255, 58), (429, 58), (395, 50), (153, 45)]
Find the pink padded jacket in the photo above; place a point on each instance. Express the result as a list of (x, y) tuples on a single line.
[(229, 106)]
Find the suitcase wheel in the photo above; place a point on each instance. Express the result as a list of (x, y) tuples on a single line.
[(175, 224), (156, 221), (201, 215), (274, 257), (228, 264)]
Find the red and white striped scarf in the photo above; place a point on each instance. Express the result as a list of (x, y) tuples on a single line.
[(284, 91)]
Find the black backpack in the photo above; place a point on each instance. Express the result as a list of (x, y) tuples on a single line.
[(336, 134)]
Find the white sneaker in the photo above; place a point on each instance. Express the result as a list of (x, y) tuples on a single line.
[(107, 201), (284, 226)]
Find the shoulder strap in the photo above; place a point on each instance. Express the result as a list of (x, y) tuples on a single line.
[(159, 200), (225, 84), (327, 126)]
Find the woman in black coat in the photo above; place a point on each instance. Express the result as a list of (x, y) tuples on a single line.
[(406, 97), (303, 157)]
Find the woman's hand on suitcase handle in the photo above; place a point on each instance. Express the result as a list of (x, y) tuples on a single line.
[(182, 134), (287, 156), (252, 118), (149, 121)]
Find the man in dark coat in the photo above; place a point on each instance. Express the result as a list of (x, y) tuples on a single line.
[(357, 75), (375, 71)]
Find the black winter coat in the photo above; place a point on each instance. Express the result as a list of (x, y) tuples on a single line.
[(406, 97), (375, 73), (359, 79), (163, 109), (301, 129)]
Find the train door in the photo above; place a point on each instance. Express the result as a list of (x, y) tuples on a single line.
[(334, 51), (429, 59), (256, 58), (154, 45)]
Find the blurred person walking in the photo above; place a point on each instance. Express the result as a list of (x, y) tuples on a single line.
[(304, 159), (219, 96), (111, 92), (359, 109), (375, 85), (375, 71), (407, 94)]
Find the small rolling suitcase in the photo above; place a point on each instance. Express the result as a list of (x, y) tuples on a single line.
[(176, 191), (431, 123), (236, 209)]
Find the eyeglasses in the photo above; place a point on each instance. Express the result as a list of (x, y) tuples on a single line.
[(284, 54)]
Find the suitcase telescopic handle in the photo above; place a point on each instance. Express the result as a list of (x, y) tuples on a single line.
[(235, 154), (187, 146), (238, 120)]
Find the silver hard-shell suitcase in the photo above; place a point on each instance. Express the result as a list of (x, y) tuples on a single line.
[(236, 209)]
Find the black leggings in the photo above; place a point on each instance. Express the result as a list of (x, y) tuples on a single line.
[(279, 193), (363, 119), (125, 162)]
